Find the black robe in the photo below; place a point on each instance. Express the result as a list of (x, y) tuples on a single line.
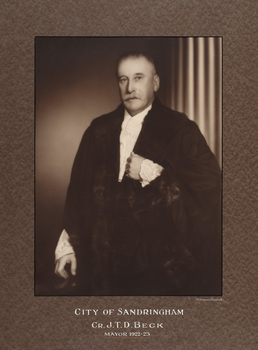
[(162, 239)]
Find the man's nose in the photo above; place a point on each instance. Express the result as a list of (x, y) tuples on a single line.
[(130, 86)]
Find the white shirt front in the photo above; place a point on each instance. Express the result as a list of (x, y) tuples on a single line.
[(130, 130)]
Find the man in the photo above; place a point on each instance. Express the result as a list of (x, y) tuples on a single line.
[(142, 214)]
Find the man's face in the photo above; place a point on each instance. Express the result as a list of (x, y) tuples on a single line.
[(138, 82)]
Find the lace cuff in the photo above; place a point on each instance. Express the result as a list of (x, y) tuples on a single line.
[(149, 171), (63, 246)]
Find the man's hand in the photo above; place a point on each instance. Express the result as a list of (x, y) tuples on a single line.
[(133, 166), (60, 265)]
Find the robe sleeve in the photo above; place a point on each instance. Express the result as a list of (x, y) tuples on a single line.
[(77, 199), (190, 189)]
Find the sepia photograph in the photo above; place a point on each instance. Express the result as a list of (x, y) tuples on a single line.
[(128, 163)]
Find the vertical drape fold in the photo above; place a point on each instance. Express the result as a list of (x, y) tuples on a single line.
[(197, 85)]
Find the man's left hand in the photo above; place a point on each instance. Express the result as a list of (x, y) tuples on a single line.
[(133, 166)]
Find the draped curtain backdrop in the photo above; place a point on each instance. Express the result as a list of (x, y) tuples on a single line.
[(197, 85)]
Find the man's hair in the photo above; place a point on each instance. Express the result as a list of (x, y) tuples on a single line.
[(136, 54)]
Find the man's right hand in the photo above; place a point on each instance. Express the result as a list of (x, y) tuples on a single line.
[(61, 263)]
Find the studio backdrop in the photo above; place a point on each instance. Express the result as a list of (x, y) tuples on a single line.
[(75, 82)]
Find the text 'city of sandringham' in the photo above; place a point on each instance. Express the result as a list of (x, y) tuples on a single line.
[(129, 312)]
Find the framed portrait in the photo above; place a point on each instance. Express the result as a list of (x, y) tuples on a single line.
[(59, 76)]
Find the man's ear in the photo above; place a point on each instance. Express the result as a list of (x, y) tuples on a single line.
[(156, 82)]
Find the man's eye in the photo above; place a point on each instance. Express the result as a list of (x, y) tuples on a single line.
[(138, 78), (122, 80)]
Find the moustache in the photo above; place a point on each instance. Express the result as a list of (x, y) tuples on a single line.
[(131, 98)]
